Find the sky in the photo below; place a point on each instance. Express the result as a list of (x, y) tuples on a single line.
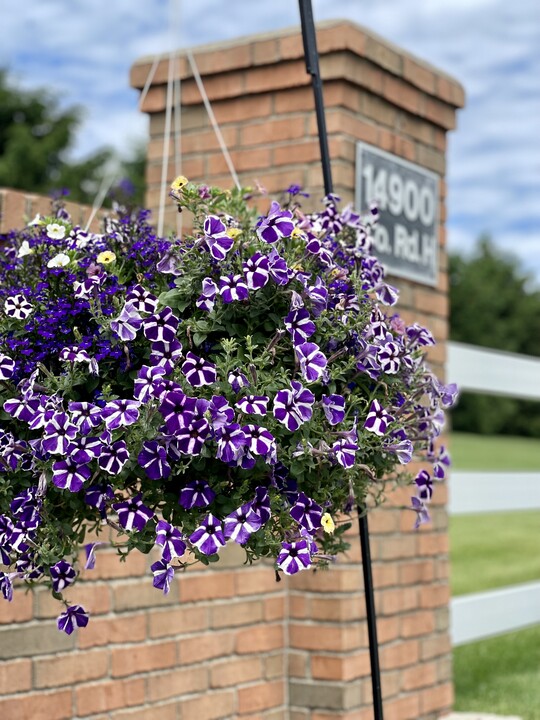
[(83, 52)]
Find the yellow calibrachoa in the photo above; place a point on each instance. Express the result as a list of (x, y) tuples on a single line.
[(179, 182), (233, 233), (328, 524), (106, 257)]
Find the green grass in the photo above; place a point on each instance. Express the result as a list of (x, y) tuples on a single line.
[(494, 452), (500, 675), (494, 549)]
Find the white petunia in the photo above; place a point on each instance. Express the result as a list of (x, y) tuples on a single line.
[(56, 231), (60, 260), (25, 249)]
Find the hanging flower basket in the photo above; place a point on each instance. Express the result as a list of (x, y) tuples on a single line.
[(245, 383)]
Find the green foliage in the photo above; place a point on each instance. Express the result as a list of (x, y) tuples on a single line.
[(494, 304)]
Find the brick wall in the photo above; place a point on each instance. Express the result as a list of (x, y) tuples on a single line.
[(18, 207)]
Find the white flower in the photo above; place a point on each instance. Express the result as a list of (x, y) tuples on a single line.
[(35, 221), (25, 249), (60, 260), (56, 231)]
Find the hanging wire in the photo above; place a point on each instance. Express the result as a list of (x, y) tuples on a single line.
[(106, 184), (148, 81), (166, 138), (178, 135), (206, 101)]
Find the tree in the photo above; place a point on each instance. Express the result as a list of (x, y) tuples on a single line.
[(35, 137), (494, 303)]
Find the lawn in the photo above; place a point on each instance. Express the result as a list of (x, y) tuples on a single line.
[(494, 452)]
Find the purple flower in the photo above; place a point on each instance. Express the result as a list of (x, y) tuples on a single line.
[(422, 513), (190, 439), (403, 449), (85, 449), (97, 496), (161, 327), (259, 440), (312, 361), (294, 557), (18, 307), (233, 287), (127, 323), (171, 540), (425, 485), (221, 413), (58, 433), (299, 325), (387, 294), (230, 440), (120, 413), (7, 367), (440, 464), (85, 415), (6, 584), (241, 524), (307, 513), (141, 300), (147, 382), (207, 299), (166, 354), (388, 358), (90, 552), (69, 475), (256, 271), (113, 457), (178, 410), (261, 504), (75, 615), (198, 371), (208, 537), (253, 404), (196, 493), (345, 452), (378, 419), (277, 224), (294, 407), (215, 234), (153, 460), (278, 268), (62, 575), (334, 408), (419, 335), (132, 514), (237, 380), (318, 294), (163, 575)]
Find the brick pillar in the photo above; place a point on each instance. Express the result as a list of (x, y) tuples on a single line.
[(379, 94)]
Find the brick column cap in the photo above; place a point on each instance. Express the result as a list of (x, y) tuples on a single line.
[(237, 67)]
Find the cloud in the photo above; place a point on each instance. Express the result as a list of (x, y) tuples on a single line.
[(491, 46)]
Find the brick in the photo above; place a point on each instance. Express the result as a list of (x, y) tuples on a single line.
[(210, 707), (434, 646), (419, 676), (419, 75), (406, 708), (266, 51), (285, 75), (386, 575), (293, 100), (71, 668), (337, 609), (181, 621), (38, 706), (234, 614), (332, 667), (418, 623), (205, 647), (257, 581), (394, 601), (260, 697), (387, 629), (394, 548), (166, 711), (109, 566), (235, 671), (298, 664), (274, 666), (335, 580), (436, 698), (208, 586), (261, 638), (15, 676), (434, 595), (19, 610), (242, 109), (177, 683), (107, 696), (274, 131), (142, 658), (381, 54), (134, 596), (225, 59), (95, 598), (400, 655), (112, 630), (334, 696), (300, 152), (339, 638), (40, 639)]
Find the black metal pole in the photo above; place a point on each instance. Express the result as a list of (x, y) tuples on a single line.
[(312, 65)]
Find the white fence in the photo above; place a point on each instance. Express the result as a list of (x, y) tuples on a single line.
[(480, 615)]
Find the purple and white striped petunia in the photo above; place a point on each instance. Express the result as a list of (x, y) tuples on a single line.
[(85, 415), (166, 354), (256, 271), (312, 361), (233, 287), (147, 382), (142, 300), (259, 440), (230, 440), (293, 557), (221, 413), (307, 513), (73, 616), (241, 524), (163, 575), (190, 439), (277, 224), (318, 294), (170, 539), (279, 271), (127, 324), (422, 513), (208, 537), (294, 407), (85, 449), (58, 433), (207, 299), (97, 496), (261, 504), (196, 493), (120, 413), (378, 419), (345, 452), (199, 371), (178, 410), (113, 457), (237, 380), (90, 552), (334, 408), (62, 575), (153, 460), (7, 367), (132, 513), (388, 358), (69, 475), (424, 484), (18, 307), (161, 327), (253, 404), (299, 325), (217, 240)]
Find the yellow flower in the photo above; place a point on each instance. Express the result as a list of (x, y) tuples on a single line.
[(328, 524), (178, 183), (233, 232), (297, 233), (106, 257)]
